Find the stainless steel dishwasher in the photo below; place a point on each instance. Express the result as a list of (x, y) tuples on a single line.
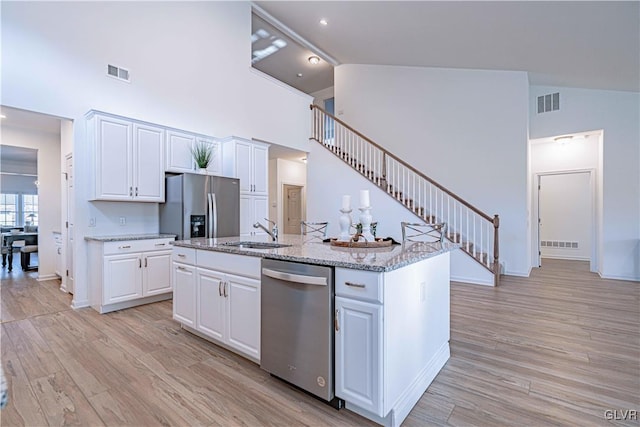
[(297, 326)]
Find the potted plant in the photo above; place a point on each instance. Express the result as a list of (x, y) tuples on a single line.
[(202, 153)]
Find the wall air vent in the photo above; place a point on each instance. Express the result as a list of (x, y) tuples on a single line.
[(118, 73), (558, 244), (549, 102)]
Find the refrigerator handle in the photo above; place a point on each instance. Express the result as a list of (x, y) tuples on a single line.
[(213, 216)]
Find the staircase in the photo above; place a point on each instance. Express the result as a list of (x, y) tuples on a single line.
[(476, 231)]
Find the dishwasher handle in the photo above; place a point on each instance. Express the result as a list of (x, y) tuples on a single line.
[(296, 278)]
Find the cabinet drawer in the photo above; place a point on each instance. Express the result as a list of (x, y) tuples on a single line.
[(130, 246), (364, 285), (184, 255), (242, 265)]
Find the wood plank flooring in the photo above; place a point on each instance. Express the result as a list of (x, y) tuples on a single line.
[(559, 348)]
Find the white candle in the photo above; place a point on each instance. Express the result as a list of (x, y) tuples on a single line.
[(346, 202), (364, 198)]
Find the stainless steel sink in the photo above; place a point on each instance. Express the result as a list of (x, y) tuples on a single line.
[(256, 245)]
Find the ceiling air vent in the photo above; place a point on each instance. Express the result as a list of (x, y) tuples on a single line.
[(549, 102), (118, 73)]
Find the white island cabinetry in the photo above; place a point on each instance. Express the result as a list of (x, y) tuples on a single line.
[(392, 336), (126, 273), (220, 300)]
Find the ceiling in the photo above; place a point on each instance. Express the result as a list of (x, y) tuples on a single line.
[(587, 44), (29, 120)]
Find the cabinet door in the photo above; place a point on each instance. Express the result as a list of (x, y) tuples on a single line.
[(210, 317), (246, 215), (179, 158), (358, 340), (260, 169), (184, 294), (148, 163), (122, 278), (243, 315), (243, 165), (215, 165), (113, 162), (156, 277), (260, 211)]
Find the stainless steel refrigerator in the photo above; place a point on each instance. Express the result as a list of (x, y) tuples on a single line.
[(200, 206)]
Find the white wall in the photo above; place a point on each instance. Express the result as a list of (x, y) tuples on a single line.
[(190, 69), (467, 129), (48, 146), (618, 115)]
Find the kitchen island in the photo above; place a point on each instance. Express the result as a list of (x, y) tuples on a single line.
[(390, 320)]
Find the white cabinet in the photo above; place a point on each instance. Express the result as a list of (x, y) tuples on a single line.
[(183, 279), (128, 273), (128, 159), (179, 157), (391, 336), (249, 161), (57, 239), (222, 301)]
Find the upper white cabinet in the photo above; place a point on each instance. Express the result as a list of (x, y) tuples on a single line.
[(178, 153), (248, 161), (128, 159)]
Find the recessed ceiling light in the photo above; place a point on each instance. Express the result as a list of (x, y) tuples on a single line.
[(314, 59), (2, 116), (323, 22), (299, 74)]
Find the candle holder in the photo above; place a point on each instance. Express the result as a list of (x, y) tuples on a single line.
[(345, 223), (365, 220)]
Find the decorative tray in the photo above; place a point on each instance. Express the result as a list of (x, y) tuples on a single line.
[(361, 243)]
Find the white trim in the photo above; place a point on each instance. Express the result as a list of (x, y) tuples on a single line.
[(281, 84), (470, 280), (45, 277), (80, 304), (292, 34), (616, 277)]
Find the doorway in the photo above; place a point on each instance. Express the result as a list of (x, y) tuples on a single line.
[(566, 216), (68, 280), (292, 212)]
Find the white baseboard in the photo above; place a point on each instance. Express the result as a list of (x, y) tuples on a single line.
[(45, 277), (471, 280), (616, 277), (75, 304)]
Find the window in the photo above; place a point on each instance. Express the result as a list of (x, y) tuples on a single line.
[(18, 210)]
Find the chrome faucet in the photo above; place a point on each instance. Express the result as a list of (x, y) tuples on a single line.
[(274, 230)]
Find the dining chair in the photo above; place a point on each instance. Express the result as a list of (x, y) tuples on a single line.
[(421, 232), (316, 230)]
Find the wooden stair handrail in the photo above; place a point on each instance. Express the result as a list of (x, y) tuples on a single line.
[(408, 166)]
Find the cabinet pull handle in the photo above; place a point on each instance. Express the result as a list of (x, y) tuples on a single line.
[(124, 247), (355, 285), (130, 191), (181, 255), (139, 263), (220, 287), (181, 268), (335, 320), (59, 253), (136, 191), (160, 244), (225, 289), (145, 262)]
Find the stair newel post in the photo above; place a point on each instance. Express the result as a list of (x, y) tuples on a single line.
[(496, 250)]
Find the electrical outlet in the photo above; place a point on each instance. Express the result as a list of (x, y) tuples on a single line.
[(123, 220), (92, 222)]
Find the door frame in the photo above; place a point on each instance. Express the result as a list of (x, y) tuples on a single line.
[(283, 201), (593, 256)]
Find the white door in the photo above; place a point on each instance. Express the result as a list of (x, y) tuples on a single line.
[(157, 273), (243, 314), (114, 159), (260, 169), (292, 204), (122, 278), (358, 368), (565, 216), (148, 163), (211, 303), (184, 294)]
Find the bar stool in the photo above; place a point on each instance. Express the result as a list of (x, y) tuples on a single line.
[(316, 230), (421, 232)]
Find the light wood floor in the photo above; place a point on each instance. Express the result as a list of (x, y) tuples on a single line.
[(558, 348)]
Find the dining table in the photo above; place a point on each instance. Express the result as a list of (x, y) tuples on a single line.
[(30, 238)]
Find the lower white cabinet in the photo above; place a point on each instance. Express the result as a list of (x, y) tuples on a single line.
[(129, 273), (219, 297)]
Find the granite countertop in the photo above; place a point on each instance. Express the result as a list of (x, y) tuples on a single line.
[(312, 251), (122, 237)]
